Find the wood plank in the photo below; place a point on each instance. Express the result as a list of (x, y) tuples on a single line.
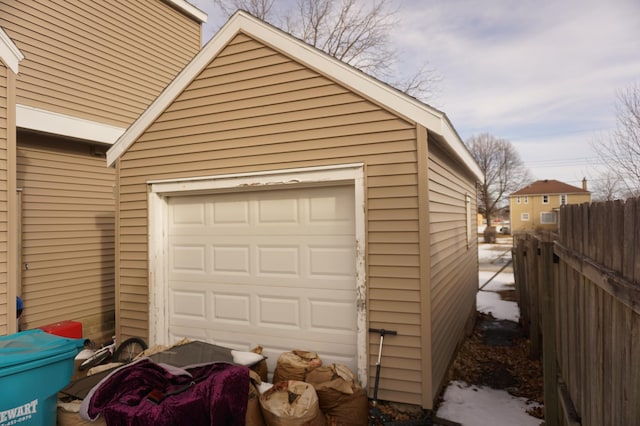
[(628, 242)]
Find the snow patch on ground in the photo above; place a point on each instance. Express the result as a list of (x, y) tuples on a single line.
[(482, 406)]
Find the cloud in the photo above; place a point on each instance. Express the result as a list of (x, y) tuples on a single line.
[(507, 63)]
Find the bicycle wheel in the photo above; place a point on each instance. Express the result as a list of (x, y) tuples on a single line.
[(129, 349), (97, 358)]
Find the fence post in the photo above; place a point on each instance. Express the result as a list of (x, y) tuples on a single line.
[(533, 278), (549, 363)]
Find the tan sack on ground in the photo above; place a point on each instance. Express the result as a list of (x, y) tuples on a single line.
[(254, 412), (260, 367), (295, 365), (291, 403), (340, 398)]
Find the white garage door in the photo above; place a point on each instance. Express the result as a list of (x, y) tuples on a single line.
[(274, 268)]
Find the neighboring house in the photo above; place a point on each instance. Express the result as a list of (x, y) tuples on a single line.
[(274, 196), (535, 207), (87, 70)]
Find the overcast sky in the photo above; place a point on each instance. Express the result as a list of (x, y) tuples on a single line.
[(543, 74)]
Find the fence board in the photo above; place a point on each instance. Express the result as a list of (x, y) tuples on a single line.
[(594, 305)]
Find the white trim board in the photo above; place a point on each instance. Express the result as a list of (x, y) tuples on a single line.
[(41, 120), (188, 9), (434, 120), (160, 191), (9, 52)]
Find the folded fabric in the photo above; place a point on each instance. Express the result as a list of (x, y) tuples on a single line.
[(145, 393)]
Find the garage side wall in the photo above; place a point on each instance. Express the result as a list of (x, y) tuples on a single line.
[(254, 109), (67, 234), (454, 260), (103, 61)]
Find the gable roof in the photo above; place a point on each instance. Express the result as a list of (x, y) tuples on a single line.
[(9, 52), (550, 186), (242, 22)]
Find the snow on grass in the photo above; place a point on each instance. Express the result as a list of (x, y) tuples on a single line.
[(482, 406), (490, 302)]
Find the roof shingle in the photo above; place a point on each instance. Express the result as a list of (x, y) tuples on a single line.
[(550, 186)]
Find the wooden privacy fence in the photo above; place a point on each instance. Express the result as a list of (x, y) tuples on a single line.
[(579, 297)]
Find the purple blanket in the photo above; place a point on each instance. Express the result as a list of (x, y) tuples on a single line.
[(146, 393)]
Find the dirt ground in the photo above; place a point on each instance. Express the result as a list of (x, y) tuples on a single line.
[(481, 363)]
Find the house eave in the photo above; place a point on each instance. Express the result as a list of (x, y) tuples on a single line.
[(40, 120), (188, 9), (9, 52)]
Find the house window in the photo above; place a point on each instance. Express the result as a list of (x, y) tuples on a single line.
[(545, 199), (548, 218), (526, 199), (563, 199), (524, 217), (518, 199)]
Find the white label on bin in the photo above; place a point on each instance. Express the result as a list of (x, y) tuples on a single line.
[(18, 414)]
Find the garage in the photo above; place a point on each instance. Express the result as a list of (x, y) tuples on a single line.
[(273, 195)]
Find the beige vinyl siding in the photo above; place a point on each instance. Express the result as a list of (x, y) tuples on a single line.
[(4, 300), (454, 265), (254, 109), (67, 234), (99, 60)]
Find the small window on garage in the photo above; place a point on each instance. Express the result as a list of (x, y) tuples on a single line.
[(524, 217), (545, 199), (548, 218), (469, 221)]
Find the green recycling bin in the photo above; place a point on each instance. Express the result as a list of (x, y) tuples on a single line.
[(34, 367)]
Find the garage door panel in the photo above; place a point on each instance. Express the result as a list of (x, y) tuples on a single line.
[(331, 315), (233, 260), (231, 307), (272, 268), (278, 260), (191, 258), (333, 261), (186, 214), (278, 312)]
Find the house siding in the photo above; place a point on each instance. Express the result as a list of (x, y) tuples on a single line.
[(4, 286), (454, 260), (103, 61), (67, 234), (254, 109)]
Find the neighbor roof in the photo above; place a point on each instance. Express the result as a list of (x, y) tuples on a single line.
[(549, 186), (242, 22)]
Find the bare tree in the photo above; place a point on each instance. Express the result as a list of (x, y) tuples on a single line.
[(259, 8), (606, 187), (355, 31), (620, 151), (502, 169)]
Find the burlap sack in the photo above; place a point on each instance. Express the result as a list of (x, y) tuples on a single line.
[(295, 365), (291, 403), (340, 398), (254, 412), (260, 367)]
